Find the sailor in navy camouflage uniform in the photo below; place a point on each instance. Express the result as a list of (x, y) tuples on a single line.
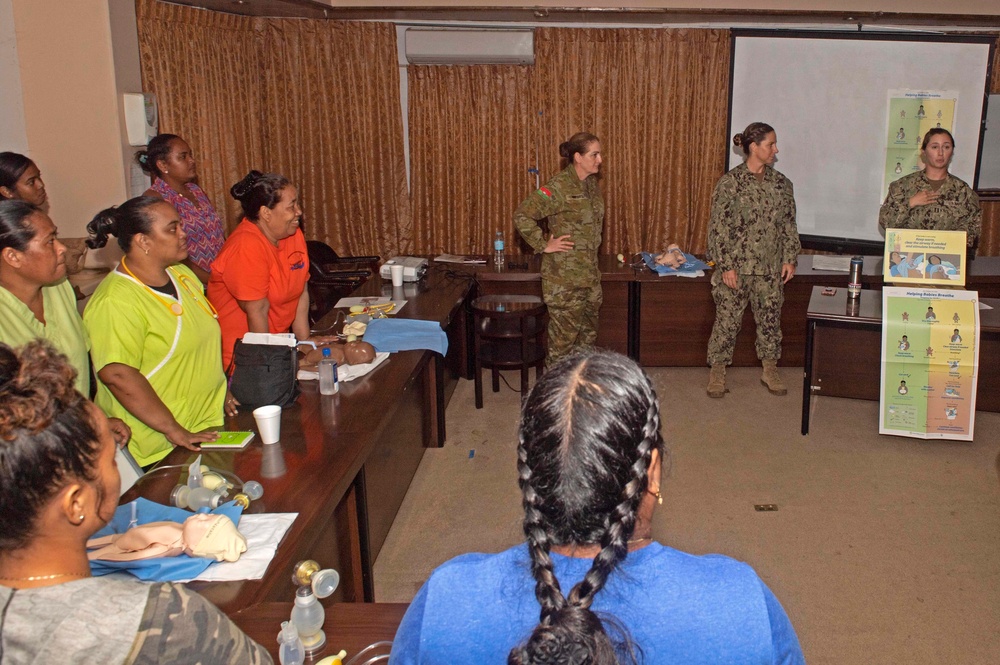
[(753, 239)]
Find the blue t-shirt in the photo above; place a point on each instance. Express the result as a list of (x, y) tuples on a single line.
[(677, 608)]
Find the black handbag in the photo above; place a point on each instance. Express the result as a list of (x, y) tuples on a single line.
[(262, 374)]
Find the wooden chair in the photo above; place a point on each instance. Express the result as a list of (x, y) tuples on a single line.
[(508, 334)]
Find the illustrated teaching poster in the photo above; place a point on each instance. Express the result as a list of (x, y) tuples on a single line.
[(930, 360), (911, 114), (931, 258)]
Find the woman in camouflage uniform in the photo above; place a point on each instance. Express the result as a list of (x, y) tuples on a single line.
[(754, 242), (571, 281), (933, 198)]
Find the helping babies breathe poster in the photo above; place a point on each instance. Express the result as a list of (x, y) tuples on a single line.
[(930, 362)]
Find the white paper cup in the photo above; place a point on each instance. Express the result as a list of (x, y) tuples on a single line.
[(397, 275), (268, 422)]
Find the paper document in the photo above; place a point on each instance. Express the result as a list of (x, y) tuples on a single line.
[(836, 263), (366, 301), (263, 532), (270, 339), (457, 258)]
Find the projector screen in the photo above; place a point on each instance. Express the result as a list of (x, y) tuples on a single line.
[(827, 95)]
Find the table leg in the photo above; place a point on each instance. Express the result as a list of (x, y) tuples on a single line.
[(633, 319), (807, 375), (477, 371)]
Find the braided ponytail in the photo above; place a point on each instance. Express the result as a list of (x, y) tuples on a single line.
[(547, 589), (587, 434)]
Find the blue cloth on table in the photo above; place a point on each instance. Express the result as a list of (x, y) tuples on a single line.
[(393, 335), (692, 264), (161, 569)]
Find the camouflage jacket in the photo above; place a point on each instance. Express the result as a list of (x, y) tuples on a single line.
[(752, 229), (574, 208), (956, 210)]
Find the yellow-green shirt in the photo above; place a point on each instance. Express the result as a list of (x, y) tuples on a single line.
[(63, 327), (180, 356)]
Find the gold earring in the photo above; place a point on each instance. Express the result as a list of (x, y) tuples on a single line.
[(147, 251), (659, 498)]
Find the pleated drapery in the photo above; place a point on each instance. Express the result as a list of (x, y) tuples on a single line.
[(200, 65), (471, 145), (656, 98), (317, 101)]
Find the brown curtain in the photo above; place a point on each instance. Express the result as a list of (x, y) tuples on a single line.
[(657, 99), (203, 67), (315, 100), (332, 122), (471, 147), (989, 242)]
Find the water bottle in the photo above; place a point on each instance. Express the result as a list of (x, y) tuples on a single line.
[(498, 258), (854, 281), (328, 383)]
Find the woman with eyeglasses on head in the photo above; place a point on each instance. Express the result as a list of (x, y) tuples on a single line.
[(154, 336), (590, 585), (58, 486), (20, 180), (169, 161)]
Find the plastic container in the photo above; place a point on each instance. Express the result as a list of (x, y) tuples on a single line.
[(309, 616), (291, 651), (498, 251), (328, 383)]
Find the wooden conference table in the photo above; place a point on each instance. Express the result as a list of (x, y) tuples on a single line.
[(666, 321), (844, 349), (344, 461)]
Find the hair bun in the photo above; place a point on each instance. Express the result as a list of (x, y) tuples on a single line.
[(738, 139), (240, 189)]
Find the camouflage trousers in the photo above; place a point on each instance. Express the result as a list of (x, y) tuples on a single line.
[(572, 318), (765, 294)]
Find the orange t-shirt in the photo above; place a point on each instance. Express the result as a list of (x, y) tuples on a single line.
[(249, 267)]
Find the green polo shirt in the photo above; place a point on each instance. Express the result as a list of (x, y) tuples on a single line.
[(63, 327)]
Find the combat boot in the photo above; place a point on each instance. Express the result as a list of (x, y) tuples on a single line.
[(771, 379), (717, 381)]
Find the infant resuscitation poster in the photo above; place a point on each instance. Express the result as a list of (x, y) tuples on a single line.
[(911, 114), (930, 362), (916, 256)]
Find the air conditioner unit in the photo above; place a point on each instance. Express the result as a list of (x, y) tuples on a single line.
[(462, 46)]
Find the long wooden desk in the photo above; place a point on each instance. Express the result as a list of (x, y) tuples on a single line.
[(348, 458), (348, 626), (667, 321), (844, 350)]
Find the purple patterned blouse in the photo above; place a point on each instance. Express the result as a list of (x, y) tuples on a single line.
[(204, 229)]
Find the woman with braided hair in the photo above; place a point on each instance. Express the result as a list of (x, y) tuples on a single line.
[(590, 585)]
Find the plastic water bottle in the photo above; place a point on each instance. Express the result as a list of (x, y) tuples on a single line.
[(328, 383), (498, 246)]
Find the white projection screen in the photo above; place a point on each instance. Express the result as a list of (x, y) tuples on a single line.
[(826, 95)]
